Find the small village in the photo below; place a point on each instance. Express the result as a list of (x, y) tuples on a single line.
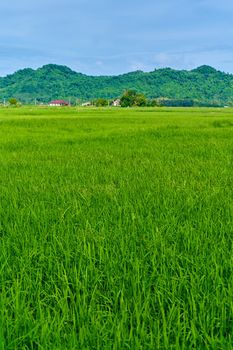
[(64, 103)]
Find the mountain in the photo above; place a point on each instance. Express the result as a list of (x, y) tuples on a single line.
[(54, 81)]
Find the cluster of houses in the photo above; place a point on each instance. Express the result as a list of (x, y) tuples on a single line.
[(63, 103)]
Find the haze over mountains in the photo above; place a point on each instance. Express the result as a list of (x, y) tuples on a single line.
[(54, 81)]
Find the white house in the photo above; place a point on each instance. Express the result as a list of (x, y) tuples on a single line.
[(116, 103), (86, 104)]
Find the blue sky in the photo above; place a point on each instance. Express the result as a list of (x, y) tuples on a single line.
[(110, 37)]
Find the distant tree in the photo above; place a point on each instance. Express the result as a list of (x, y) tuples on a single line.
[(140, 100), (128, 98), (101, 102), (13, 101), (133, 98)]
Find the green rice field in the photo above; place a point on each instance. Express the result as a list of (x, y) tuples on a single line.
[(116, 229)]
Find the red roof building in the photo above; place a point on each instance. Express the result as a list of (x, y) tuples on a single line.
[(58, 103)]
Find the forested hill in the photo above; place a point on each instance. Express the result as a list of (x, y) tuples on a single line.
[(53, 81)]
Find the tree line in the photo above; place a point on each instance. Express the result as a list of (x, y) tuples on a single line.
[(132, 98)]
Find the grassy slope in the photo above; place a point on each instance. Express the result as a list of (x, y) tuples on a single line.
[(116, 229)]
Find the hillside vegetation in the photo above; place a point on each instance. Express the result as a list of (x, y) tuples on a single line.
[(53, 81)]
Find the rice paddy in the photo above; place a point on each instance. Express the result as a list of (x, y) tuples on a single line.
[(116, 229)]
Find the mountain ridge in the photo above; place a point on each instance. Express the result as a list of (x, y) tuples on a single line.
[(52, 81)]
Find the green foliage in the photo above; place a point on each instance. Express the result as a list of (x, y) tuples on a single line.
[(153, 103), (101, 102), (128, 98), (13, 101), (176, 102), (140, 100), (204, 84), (132, 98)]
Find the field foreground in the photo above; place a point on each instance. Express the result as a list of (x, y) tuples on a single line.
[(116, 229)]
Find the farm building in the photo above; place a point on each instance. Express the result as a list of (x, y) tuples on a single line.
[(58, 103), (116, 103), (86, 104)]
